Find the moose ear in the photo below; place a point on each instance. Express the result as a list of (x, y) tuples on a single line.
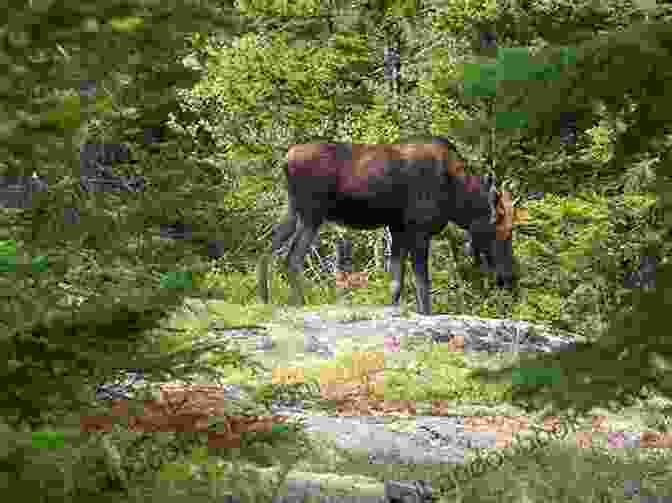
[(520, 216)]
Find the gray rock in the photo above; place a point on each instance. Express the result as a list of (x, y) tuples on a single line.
[(315, 342), (88, 88), (298, 489), (438, 432), (312, 320), (241, 335), (632, 488), (632, 439), (391, 311), (265, 343), (408, 491), (382, 445), (490, 335)]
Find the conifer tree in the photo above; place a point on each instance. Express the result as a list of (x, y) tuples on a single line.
[(80, 300)]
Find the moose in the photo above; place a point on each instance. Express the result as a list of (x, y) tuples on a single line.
[(414, 189)]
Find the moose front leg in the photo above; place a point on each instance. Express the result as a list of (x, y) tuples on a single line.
[(422, 281)]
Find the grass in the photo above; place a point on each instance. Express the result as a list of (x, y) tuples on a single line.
[(561, 473), (556, 471)]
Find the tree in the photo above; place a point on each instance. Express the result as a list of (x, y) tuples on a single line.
[(634, 354), (79, 302)]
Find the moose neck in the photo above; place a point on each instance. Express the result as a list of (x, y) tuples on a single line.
[(469, 205)]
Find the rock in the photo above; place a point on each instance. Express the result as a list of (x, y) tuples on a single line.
[(265, 343), (216, 248), (492, 335), (632, 488), (313, 321), (320, 344), (88, 88), (17, 191), (644, 277), (122, 388), (391, 311), (240, 335), (408, 491), (297, 490), (473, 334)]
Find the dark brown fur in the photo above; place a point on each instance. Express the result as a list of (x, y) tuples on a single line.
[(412, 188)]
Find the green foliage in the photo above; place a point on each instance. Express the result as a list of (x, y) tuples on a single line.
[(178, 280), (232, 286), (80, 469), (620, 324), (376, 125), (377, 291), (480, 80), (244, 212), (236, 471), (660, 421), (97, 306), (459, 15), (48, 439), (447, 377), (308, 392), (9, 260), (42, 349), (241, 79), (97, 301), (278, 8), (512, 64)]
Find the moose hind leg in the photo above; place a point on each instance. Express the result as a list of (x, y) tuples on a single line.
[(302, 241), (397, 259), (422, 281), (282, 233)]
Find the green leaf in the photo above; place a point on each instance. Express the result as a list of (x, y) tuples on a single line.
[(568, 55), (535, 376), (510, 120), (480, 80), (8, 263), (178, 280), (40, 263), (279, 428), (48, 439), (8, 247), (126, 24), (513, 63), (68, 115)]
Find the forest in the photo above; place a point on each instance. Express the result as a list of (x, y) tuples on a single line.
[(143, 152)]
